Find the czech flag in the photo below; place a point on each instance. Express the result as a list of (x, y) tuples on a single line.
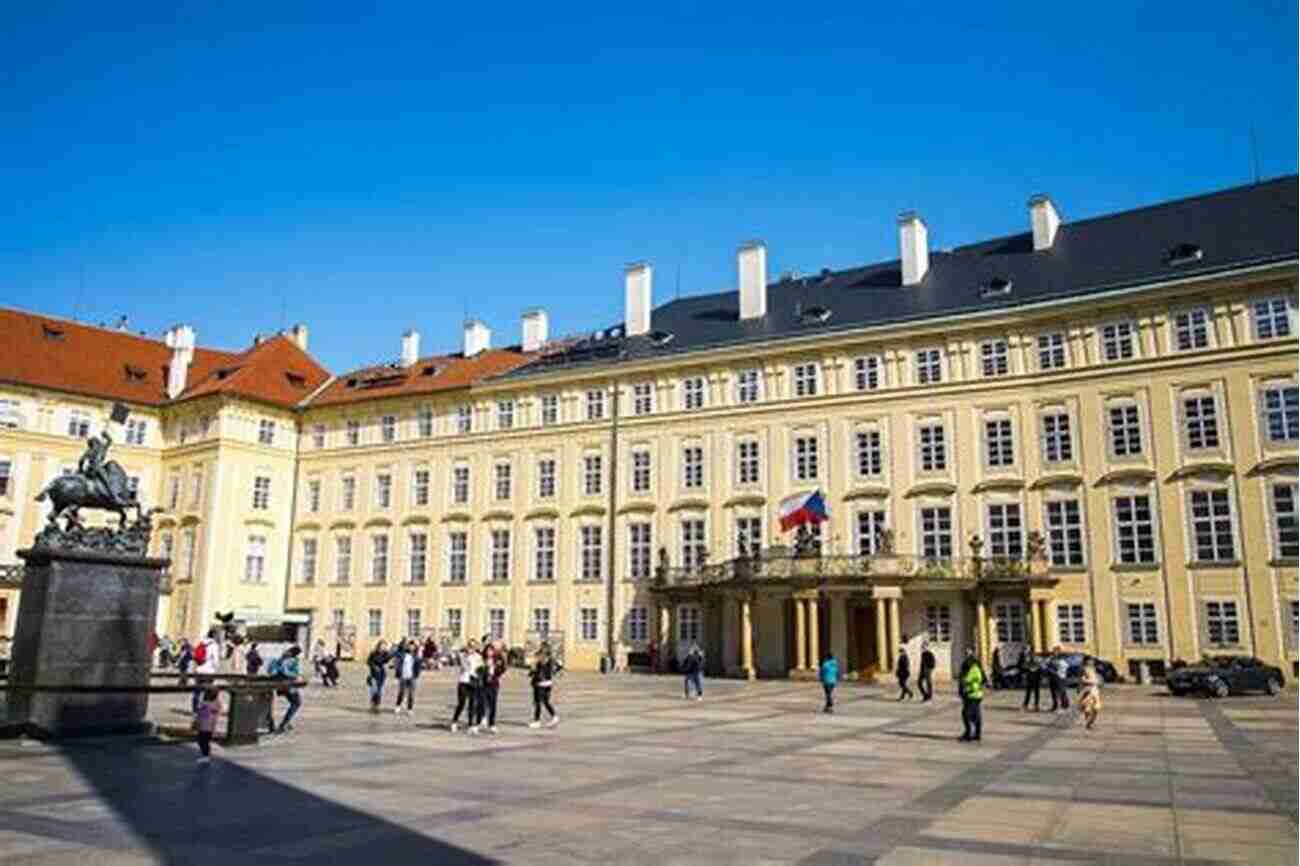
[(802, 508)]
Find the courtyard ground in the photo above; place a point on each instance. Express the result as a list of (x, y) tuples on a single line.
[(635, 774)]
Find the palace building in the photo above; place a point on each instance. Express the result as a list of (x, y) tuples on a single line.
[(1084, 434)]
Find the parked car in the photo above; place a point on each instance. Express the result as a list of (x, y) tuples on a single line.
[(1013, 678), (1220, 676)]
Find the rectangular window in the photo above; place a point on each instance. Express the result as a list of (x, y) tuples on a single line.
[(938, 623), (1006, 531), (348, 493), (261, 493), (500, 569), (638, 550), (993, 358), (189, 543), (307, 573), (318, 436), (424, 422), (266, 432), (591, 475), (638, 625), (805, 380), (595, 404), (464, 419), (1064, 532), (1272, 318), (1286, 528), (544, 553), (383, 490), (999, 447), (196, 488), (6, 476), (1221, 623), (693, 393), (388, 428), (1051, 351), (420, 487), (1281, 406), (354, 432), (78, 425), (936, 532), (1191, 330), (313, 495), (871, 531), (806, 466), (933, 451), (1212, 525), (688, 624), (502, 480), (417, 557), (749, 535), (870, 460), (550, 409), (460, 485), (165, 543), (1071, 624), (497, 623), (545, 479), (1143, 627), (1058, 447), (640, 471), (173, 492), (414, 621), (342, 559), (505, 414), (692, 467), (376, 622), (643, 398), (541, 622), (747, 461), (454, 618), (1295, 623), (135, 432), (1134, 529), (1117, 342), (588, 620), (929, 367), (457, 557), (592, 552), (1011, 622), (747, 386), (1202, 422), (866, 373), (379, 559), (1125, 431), (255, 559), (338, 619), (695, 550)]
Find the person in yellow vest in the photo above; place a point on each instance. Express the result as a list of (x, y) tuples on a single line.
[(970, 684)]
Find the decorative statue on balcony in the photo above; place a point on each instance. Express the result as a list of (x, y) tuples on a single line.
[(806, 543), (1035, 546), (97, 483), (661, 571), (884, 542)]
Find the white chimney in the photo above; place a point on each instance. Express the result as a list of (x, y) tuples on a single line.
[(478, 337), (1045, 221), (751, 274), (913, 247), (298, 333), (410, 348), (180, 339), (637, 279), (536, 328)]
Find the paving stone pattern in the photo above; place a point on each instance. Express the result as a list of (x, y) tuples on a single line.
[(753, 774)]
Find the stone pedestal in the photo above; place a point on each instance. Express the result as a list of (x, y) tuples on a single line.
[(84, 619)]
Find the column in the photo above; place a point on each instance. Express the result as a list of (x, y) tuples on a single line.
[(1035, 633), (982, 632), (814, 636), (894, 631), (671, 644), (746, 639), (800, 636), (839, 629), (664, 631), (882, 634), (1046, 623)]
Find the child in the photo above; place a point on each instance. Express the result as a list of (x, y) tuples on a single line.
[(1090, 697), (542, 676), (830, 676), (208, 712)]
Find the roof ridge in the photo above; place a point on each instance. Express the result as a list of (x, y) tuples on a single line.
[(106, 329)]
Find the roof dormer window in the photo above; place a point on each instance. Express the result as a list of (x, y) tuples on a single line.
[(52, 333), (297, 380), (1183, 254), (998, 287), (814, 315), (660, 338), (134, 374)]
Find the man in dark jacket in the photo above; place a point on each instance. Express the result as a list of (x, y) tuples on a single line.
[(1031, 669), (903, 667), (377, 672), (924, 683)]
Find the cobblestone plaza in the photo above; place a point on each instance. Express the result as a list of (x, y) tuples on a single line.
[(635, 774)]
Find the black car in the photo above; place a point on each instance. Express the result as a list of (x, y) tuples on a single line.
[(1013, 678), (1220, 676)]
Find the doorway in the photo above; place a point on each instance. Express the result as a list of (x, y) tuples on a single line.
[(862, 641)]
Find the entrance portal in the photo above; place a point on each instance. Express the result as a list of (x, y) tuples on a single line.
[(862, 642)]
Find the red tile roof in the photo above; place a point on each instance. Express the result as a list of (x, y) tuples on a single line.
[(425, 376)]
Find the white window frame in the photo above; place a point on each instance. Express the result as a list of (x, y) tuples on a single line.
[(388, 428), (342, 559), (266, 432), (500, 541), (595, 404), (1071, 623), (928, 366), (805, 457), (749, 528), (347, 492), (352, 434), (453, 619), (1056, 437), (261, 492), (460, 484), (588, 624), (934, 542), (1284, 523), (638, 624), (1190, 329), (694, 389), (931, 446), (424, 422), (498, 623), (544, 538), (383, 490), (640, 549), (540, 621), (307, 563), (1221, 545), (999, 431), (938, 623), (550, 409), (1134, 420), (745, 463), (417, 557), (503, 486), (457, 559), (1010, 624), (1137, 556), (505, 414), (375, 622), (641, 470), (868, 453), (464, 419), (421, 483), (1005, 528), (1272, 318), (870, 522), (1199, 411), (995, 358), (693, 545), (546, 477), (591, 552), (1054, 349), (593, 474), (1226, 614), (1149, 632), (1279, 401), (1064, 553), (868, 373), (643, 398), (749, 385), (255, 559), (1117, 341), (380, 550), (414, 621), (806, 376), (692, 467)]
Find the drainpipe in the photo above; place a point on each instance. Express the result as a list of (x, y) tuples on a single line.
[(293, 514), (613, 501)]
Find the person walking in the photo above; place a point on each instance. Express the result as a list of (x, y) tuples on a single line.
[(970, 684), (903, 668), (184, 661), (207, 660), (494, 664), (407, 666), (376, 673), (693, 666), (429, 654), (924, 680), (1031, 667), (542, 677), (205, 720), (466, 697), (1060, 671), (1090, 695), (288, 669), (830, 677), (252, 661), (318, 659)]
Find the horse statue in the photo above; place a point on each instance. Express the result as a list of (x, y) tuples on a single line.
[(98, 483)]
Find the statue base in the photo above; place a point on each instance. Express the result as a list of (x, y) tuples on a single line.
[(84, 620)]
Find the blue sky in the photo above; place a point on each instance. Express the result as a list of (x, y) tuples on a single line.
[(246, 166)]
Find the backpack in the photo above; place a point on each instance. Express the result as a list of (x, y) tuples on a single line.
[(201, 653)]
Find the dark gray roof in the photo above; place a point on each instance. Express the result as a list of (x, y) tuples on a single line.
[(1254, 224)]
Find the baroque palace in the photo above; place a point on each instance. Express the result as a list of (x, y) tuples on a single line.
[(1084, 434)]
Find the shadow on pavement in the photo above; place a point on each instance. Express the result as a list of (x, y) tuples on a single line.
[(226, 813)]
